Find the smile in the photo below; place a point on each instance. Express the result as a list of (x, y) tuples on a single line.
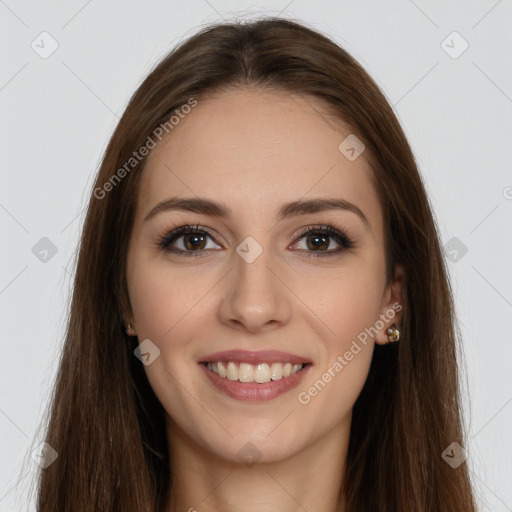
[(260, 373), (254, 381)]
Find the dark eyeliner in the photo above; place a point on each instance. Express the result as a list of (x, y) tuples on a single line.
[(327, 229), (180, 231)]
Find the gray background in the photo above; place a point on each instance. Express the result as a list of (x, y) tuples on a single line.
[(58, 113)]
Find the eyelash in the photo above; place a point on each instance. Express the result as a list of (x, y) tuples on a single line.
[(328, 229)]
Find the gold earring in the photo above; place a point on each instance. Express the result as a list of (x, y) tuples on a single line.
[(393, 333)]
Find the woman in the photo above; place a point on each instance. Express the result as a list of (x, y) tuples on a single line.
[(304, 357)]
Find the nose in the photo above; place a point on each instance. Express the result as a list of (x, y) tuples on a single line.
[(255, 299)]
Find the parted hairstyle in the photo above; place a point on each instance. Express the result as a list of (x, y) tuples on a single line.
[(104, 420)]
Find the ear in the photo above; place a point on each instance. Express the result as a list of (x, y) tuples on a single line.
[(391, 312), (128, 321), (130, 330)]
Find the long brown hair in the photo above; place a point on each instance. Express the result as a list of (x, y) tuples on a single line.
[(105, 421)]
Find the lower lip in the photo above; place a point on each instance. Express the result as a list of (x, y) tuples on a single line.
[(252, 391)]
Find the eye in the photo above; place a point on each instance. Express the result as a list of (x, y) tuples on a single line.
[(319, 237), (194, 240)]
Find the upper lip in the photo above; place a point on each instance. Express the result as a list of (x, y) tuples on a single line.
[(250, 357)]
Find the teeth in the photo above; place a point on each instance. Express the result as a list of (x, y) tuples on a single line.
[(260, 373), (232, 372), (276, 371)]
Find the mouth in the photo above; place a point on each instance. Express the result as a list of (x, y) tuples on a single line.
[(254, 376), (260, 373)]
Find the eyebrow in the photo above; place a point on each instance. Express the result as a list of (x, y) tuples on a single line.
[(291, 209)]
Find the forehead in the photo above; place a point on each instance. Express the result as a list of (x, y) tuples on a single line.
[(255, 150)]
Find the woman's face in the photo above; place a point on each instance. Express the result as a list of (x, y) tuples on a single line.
[(251, 280)]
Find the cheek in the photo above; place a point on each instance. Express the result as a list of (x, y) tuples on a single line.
[(165, 309), (333, 391), (349, 310), (352, 313), (169, 309), (160, 300), (348, 304), (348, 301)]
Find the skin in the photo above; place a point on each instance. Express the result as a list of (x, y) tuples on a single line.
[(254, 151)]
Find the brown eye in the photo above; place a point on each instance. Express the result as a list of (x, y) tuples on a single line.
[(193, 243), (318, 240)]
